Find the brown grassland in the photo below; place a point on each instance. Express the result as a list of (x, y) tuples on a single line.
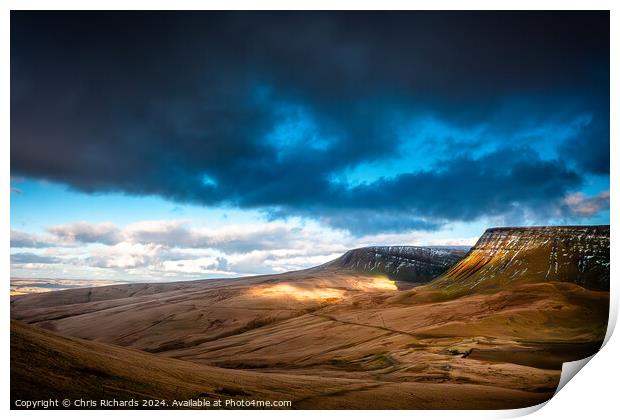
[(492, 332)]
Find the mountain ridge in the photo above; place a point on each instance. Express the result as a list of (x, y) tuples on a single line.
[(413, 264), (344, 338), (504, 255)]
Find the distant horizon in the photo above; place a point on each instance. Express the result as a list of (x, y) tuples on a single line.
[(236, 275)]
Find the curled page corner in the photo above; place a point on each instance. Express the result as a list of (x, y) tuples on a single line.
[(569, 370), (613, 316), (521, 412)]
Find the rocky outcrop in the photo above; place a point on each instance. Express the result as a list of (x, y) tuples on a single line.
[(414, 264), (577, 254)]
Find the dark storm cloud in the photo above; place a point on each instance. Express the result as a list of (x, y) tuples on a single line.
[(590, 150), (510, 181), (260, 110), (494, 184)]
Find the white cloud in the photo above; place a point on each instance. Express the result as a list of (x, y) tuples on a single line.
[(27, 240), (581, 205), (133, 255), (31, 258), (175, 249), (84, 232), (172, 233)]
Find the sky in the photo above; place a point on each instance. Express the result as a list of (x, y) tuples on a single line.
[(164, 146)]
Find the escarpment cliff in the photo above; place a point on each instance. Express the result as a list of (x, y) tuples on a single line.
[(416, 264), (577, 254)]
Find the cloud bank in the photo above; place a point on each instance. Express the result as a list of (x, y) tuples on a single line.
[(285, 112), (161, 248)]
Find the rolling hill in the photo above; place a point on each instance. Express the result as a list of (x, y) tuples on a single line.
[(45, 365), (498, 323)]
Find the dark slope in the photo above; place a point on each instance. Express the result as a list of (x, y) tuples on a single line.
[(46, 365), (415, 264), (491, 332)]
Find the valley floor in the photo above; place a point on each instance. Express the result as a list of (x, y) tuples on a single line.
[(59, 367), (320, 340)]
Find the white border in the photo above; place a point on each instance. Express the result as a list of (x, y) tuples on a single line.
[(592, 395)]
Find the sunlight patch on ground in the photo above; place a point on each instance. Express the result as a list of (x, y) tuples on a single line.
[(299, 293), (381, 283)]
